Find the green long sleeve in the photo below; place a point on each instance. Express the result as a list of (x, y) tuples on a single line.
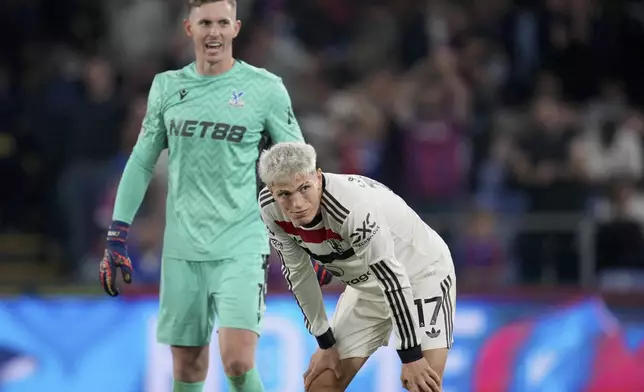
[(131, 191), (139, 168)]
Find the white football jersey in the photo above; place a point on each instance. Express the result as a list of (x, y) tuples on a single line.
[(368, 237)]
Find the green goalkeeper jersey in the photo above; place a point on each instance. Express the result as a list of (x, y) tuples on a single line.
[(214, 128)]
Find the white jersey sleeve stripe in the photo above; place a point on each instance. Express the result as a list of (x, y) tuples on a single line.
[(287, 275), (398, 305), (451, 311), (267, 202), (333, 211), (406, 316), (336, 203), (448, 310), (264, 196)]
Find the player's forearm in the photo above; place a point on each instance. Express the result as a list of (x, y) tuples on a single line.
[(399, 297), (131, 190), (302, 282)]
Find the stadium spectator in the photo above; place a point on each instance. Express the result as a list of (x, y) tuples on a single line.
[(619, 241), (547, 164), (89, 148), (443, 102), (614, 150)]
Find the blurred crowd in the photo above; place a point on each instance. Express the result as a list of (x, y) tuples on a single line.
[(514, 128)]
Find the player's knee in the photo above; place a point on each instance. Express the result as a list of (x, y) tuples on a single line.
[(327, 382), (190, 363), (237, 365), (237, 348)]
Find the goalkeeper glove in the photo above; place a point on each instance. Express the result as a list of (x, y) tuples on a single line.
[(324, 277), (115, 257)]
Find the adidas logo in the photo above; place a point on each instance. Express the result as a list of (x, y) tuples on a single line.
[(433, 333)]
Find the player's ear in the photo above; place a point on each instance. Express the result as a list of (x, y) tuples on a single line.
[(187, 27), (238, 25)]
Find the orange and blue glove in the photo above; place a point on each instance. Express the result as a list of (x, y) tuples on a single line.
[(324, 276), (115, 258)]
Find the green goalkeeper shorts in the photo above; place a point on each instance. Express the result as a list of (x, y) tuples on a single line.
[(197, 294)]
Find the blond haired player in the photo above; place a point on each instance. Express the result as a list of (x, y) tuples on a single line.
[(399, 272)]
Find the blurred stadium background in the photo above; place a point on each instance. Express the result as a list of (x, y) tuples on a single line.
[(514, 128)]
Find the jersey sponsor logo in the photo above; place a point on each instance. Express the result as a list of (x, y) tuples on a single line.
[(365, 233), (207, 129), (236, 99), (360, 279)]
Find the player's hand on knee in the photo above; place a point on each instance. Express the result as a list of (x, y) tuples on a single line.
[(115, 258), (321, 361), (418, 376)]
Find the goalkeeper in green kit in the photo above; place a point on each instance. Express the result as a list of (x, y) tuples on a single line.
[(214, 116)]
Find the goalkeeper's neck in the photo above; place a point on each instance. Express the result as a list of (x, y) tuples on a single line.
[(214, 68)]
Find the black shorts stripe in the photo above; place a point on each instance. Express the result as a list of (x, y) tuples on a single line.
[(396, 298), (336, 203), (287, 275), (333, 210), (446, 284)]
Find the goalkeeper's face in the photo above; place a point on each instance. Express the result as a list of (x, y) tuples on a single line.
[(299, 197), (212, 28)]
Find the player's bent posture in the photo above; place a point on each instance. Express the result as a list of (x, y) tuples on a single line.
[(399, 272), (213, 116)]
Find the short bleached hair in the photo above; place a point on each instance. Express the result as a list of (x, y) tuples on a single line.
[(285, 161)]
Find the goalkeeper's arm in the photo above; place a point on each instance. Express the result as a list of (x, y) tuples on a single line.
[(139, 168), (281, 122)]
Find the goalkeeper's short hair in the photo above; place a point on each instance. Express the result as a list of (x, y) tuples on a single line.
[(198, 3), (285, 161)]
